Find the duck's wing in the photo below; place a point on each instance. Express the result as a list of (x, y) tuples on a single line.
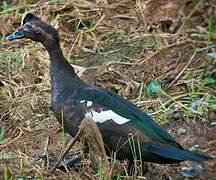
[(124, 111)]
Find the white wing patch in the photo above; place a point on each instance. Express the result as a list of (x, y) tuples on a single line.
[(89, 103), (106, 115)]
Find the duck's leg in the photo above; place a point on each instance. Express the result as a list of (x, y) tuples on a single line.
[(79, 133)]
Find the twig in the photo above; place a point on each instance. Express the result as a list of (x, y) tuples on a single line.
[(75, 41), (46, 146), (96, 145), (45, 149), (5, 145), (79, 133), (188, 17), (142, 61), (132, 177), (182, 71)]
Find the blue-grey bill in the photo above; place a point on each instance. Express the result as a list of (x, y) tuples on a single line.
[(15, 35)]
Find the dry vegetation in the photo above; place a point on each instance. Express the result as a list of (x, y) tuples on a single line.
[(159, 54)]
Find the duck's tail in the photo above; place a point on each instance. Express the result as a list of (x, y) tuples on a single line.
[(163, 153)]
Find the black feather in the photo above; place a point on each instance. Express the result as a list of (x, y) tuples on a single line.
[(30, 17)]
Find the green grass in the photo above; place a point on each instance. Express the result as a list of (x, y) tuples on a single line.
[(4, 94), (6, 176), (115, 45), (100, 174), (211, 24), (137, 169), (2, 138), (211, 27), (4, 6), (65, 136), (10, 61), (6, 9), (194, 2)]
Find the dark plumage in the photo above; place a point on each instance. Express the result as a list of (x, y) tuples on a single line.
[(115, 116)]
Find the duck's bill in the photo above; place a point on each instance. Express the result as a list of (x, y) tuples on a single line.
[(16, 35)]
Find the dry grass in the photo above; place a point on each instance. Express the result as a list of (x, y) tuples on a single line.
[(121, 46)]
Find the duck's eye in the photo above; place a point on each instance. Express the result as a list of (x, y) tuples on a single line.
[(27, 26)]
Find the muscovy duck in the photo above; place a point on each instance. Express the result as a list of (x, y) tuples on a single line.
[(72, 100)]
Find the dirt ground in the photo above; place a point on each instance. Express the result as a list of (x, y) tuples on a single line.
[(122, 46)]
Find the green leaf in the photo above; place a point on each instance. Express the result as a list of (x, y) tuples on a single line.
[(152, 87), (213, 106), (4, 5), (212, 54), (209, 80)]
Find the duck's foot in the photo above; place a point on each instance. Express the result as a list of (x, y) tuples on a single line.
[(68, 163)]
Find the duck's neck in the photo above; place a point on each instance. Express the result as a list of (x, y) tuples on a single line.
[(63, 77)]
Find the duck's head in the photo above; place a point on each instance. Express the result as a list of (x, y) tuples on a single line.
[(35, 29)]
